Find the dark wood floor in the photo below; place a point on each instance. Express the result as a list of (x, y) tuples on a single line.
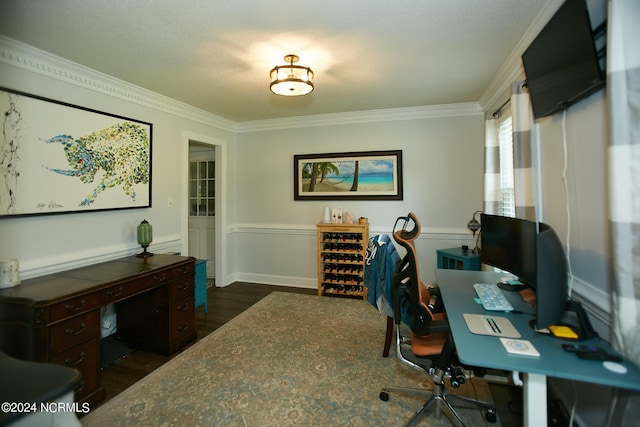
[(224, 304)]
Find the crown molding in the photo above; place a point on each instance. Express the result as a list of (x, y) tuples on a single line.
[(499, 89), (366, 116), (29, 58)]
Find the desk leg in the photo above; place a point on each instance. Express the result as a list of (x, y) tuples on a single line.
[(535, 400)]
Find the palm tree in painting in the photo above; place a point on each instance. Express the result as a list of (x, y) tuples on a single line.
[(354, 186), (312, 170), (327, 168), (306, 170)]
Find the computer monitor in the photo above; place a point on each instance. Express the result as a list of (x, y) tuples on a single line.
[(533, 252), (551, 278), (510, 245)]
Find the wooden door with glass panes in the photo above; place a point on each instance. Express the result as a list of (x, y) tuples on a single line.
[(202, 199)]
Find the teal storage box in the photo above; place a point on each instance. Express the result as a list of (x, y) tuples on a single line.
[(201, 284), (457, 259)]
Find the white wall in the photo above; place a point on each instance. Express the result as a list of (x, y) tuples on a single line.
[(269, 237), (580, 217), (442, 160), (49, 243), (576, 204), (584, 208)]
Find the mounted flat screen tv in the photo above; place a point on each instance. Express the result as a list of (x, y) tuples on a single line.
[(562, 64)]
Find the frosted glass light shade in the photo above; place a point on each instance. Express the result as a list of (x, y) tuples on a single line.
[(291, 80)]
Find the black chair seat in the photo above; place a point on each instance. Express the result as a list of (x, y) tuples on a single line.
[(33, 382)]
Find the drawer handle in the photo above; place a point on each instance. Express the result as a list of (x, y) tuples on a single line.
[(185, 286), (70, 307), (183, 327), (183, 307), (78, 360), (160, 277), (69, 331), (120, 291), (184, 270)]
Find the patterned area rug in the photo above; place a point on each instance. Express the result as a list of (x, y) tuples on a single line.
[(290, 359)]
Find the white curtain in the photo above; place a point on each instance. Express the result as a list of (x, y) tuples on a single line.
[(522, 157), (623, 86), (492, 193), (623, 94), (522, 154)]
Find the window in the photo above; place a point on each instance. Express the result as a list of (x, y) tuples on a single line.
[(507, 185), (202, 188)]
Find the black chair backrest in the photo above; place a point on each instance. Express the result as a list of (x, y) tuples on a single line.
[(406, 280)]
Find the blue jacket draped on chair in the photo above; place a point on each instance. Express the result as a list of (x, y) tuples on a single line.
[(380, 265)]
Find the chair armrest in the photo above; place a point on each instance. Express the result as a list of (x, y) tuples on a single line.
[(434, 290), (435, 302)]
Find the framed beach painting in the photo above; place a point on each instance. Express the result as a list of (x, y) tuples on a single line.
[(365, 175), (60, 158)]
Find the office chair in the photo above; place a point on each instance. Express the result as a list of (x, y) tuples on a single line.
[(380, 267), (430, 348)]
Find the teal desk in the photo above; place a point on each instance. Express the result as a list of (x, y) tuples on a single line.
[(458, 295)]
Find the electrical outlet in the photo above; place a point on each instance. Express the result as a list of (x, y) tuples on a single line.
[(169, 202)]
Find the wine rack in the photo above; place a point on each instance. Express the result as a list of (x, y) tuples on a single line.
[(341, 257)]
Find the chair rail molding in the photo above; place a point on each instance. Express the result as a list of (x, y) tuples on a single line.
[(588, 295), (310, 229), (70, 260)]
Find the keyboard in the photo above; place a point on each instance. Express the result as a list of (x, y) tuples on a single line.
[(491, 297)]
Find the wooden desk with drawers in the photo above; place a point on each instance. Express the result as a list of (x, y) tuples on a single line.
[(56, 318)]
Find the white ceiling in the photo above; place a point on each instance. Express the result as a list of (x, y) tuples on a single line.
[(216, 54)]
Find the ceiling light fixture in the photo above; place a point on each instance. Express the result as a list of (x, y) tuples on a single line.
[(291, 80)]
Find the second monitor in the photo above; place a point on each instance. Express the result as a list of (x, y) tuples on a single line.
[(533, 252)]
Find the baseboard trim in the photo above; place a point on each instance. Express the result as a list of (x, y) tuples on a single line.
[(266, 279)]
